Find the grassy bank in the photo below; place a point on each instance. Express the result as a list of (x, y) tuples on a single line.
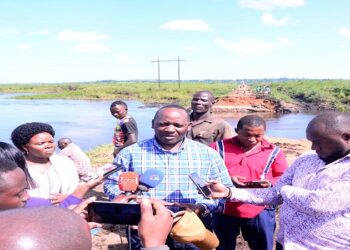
[(101, 155), (332, 93), (318, 92), (144, 92)]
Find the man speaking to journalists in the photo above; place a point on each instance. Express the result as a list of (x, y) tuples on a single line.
[(177, 156), (314, 191)]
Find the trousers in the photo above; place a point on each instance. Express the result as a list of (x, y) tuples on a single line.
[(257, 231)]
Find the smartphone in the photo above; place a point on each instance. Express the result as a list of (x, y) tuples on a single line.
[(114, 213), (104, 171), (253, 184), (201, 185)]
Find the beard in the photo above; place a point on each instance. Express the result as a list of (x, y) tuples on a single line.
[(335, 156)]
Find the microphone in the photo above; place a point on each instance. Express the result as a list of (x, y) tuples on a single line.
[(128, 182), (149, 179)]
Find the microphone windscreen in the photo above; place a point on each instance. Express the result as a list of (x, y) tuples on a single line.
[(151, 177), (128, 181)]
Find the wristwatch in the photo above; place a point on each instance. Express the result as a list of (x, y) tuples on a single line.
[(228, 197)]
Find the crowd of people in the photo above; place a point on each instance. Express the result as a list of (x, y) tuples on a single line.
[(248, 177)]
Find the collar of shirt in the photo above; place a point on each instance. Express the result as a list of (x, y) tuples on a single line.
[(325, 166), (209, 119), (160, 148), (264, 145), (124, 119)]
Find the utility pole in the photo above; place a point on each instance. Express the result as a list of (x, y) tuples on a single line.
[(178, 68)]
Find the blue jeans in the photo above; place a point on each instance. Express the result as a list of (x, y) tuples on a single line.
[(257, 231)]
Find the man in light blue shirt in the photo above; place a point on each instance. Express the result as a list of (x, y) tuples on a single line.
[(171, 152)]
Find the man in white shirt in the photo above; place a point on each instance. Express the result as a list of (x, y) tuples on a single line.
[(314, 191)]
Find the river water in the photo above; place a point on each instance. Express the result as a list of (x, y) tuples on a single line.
[(89, 123)]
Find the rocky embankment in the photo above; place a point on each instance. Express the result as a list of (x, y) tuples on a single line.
[(243, 100)]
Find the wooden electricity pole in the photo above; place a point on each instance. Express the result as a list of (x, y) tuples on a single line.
[(178, 68)]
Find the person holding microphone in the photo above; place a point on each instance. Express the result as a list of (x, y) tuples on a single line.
[(176, 156)]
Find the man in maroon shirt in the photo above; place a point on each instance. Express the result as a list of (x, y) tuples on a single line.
[(246, 156)]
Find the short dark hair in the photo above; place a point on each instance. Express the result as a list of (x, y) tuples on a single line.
[(334, 122), (6, 165), (115, 103), (251, 121), (176, 106), (21, 135), (210, 94), (9, 152)]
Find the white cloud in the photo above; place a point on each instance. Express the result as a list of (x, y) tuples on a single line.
[(43, 32), (186, 24), (91, 47), (246, 46), (81, 36), (269, 19), (285, 41), (24, 46), (271, 4), (344, 32)]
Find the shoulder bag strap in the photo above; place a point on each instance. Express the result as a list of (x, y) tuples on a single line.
[(270, 160)]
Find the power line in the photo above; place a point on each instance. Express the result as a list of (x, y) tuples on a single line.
[(178, 68)]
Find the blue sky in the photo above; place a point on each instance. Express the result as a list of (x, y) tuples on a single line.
[(64, 41)]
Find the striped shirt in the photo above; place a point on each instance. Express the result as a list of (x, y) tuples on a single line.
[(80, 159), (176, 186)]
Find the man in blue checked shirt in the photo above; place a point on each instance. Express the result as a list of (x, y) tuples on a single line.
[(177, 156)]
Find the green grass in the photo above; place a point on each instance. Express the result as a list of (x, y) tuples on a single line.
[(101, 155), (144, 92), (335, 93)]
